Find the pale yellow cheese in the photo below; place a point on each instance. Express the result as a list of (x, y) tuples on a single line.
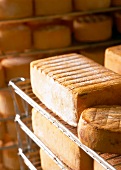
[(48, 163), (51, 7), (63, 147), (52, 37), (113, 58), (90, 5), (67, 84), (15, 37), (13, 9), (92, 28)]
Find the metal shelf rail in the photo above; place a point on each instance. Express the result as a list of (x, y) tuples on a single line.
[(76, 46), (26, 128), (22, 87), (71, 14)]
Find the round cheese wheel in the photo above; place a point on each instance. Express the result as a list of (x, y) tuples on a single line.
[(7, 103), (117, 18), (17, 67), (52, 37), (116, 2), (2, 77), (90, 5), (15, 37), (10, 157), (13, 9), (92, 28), (52, 7), (99, 128)]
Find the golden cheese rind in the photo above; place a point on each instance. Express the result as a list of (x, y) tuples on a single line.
[(99, 128)]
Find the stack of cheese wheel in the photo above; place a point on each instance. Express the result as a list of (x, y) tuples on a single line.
[(15, 37), (12, 9), (17, 67), (10, 157), (90, 5), (64, 148), (52, 37), (92, 28), (115, 2), (52, 7), (2, 78), (70, 86), (113, 58)]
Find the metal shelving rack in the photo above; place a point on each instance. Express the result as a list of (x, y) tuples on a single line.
[(22, 87), (26, 153)]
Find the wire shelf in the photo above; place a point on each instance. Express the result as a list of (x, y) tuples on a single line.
[(71, 14), (76, 46), (22, 87)]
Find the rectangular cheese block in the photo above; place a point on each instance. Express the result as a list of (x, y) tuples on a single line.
[(48, 163), (67, 84), (113, 58), (61, 145)]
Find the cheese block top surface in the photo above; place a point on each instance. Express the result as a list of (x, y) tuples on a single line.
[(114, 49), (67, 84), (76, 72), (104, 117)]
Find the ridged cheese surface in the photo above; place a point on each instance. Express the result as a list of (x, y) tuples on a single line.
[(68, 84)]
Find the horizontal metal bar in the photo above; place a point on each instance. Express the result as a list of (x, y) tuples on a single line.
[(59, 125), (39, 143)]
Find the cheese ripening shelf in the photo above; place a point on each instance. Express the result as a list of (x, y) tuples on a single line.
[(22, 87)]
